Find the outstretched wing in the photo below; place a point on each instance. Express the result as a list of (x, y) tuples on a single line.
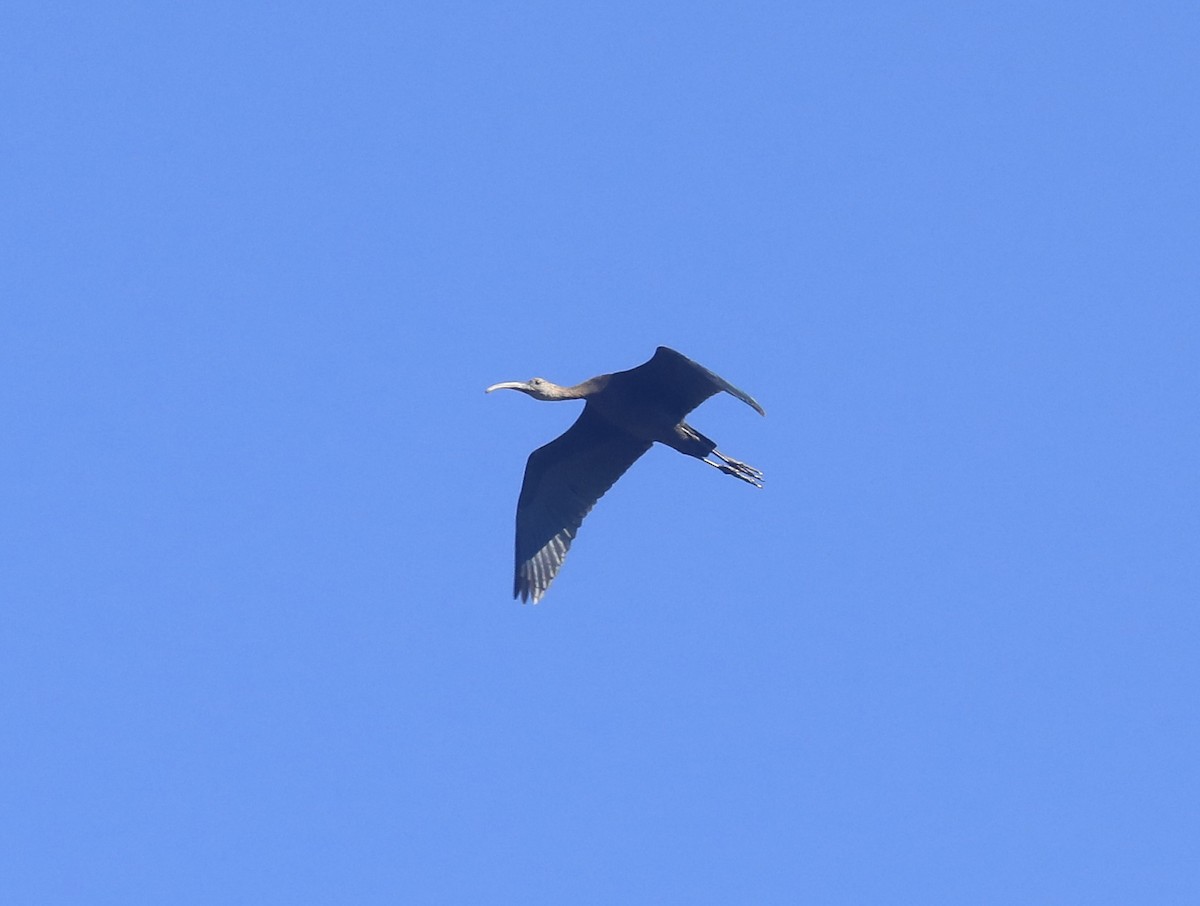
[(563, 481), (681, 383)]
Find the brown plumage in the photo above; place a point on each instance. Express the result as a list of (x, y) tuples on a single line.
[(625, 413)]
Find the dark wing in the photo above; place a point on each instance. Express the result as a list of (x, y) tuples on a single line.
[(682, 383), (563, 480)]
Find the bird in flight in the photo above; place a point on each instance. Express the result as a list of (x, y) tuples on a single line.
[(625, 413)]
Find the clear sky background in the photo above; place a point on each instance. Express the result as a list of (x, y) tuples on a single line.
[(257, 264)]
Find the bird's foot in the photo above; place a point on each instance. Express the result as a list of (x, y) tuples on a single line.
[(737, 469)]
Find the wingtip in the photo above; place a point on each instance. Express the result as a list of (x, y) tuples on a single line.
[(526, 591), (751, 402)]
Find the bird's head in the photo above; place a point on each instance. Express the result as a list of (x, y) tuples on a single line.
[(538, 388)]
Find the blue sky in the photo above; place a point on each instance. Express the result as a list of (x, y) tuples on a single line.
[(260, 261)]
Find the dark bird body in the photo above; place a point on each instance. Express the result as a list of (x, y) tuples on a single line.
[(626, 412)]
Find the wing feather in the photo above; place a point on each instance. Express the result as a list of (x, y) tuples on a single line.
[(683, 384), (563, 481)]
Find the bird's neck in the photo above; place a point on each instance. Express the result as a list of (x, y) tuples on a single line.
[(579, 391), (587, 389)]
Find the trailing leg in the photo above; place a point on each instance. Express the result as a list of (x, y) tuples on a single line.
[(688, 440), (736, 468)]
